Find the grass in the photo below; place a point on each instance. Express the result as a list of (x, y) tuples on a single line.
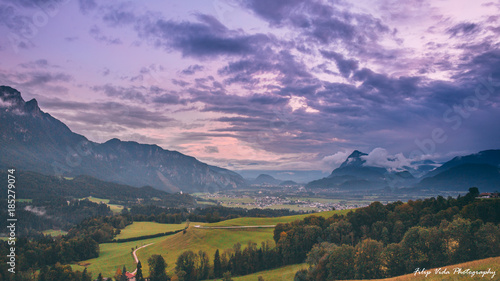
[(97, 200), (54, 232), (283, 273), (288, 272), (477, 265), (208, 240), (270, 221), (114, 208), (147, 228), (113, 256)]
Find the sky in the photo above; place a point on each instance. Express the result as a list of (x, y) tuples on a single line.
[(261, 84)]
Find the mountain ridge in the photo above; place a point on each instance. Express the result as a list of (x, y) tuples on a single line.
[(35, 141)]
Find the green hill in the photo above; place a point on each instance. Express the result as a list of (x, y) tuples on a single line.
[(271, 221), (208, 240), (140, 228)]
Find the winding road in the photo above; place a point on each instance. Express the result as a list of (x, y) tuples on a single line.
[(134, 253)]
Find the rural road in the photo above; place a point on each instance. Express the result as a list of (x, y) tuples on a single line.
[(232, 227), (135, 255)]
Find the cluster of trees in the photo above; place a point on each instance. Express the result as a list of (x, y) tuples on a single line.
[(81, 243), (48, 251), (384, 241), (208, 214), (55, 213), (421, 247), (191, 266), (101, 229)]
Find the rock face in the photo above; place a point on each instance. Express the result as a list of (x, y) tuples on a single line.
[(35, 141)]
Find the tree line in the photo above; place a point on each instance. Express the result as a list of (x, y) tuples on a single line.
[(207, 214)]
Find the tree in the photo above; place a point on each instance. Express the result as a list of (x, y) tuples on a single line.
[(138, 275), (227, 276), (217, 265), (367, 260), (157, 268), (123, 277), (204, 266), (186, 262), (118, 274), (86, 276)]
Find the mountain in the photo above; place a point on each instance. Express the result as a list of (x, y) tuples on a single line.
[(489, 157), (480, 170), (483, 176), (354, 174), (33, 140), (31, 185), (288, 183), (265, 179)]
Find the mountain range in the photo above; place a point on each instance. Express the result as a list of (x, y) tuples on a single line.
[(480, 170), (32, 140)]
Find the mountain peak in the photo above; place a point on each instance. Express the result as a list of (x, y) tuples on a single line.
[(32, 107), (354, 159), (10, 97), (356, 154)]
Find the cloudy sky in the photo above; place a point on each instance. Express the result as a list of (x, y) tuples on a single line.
[(262, 84)]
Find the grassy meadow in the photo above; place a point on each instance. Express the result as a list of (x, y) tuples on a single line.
[(54, 232), (114, 208), (113, 256), (147, 228), (208, 240), (477, 265), (286, 273), (271, 221)]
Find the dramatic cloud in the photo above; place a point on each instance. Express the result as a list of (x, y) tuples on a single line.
[(205, 38), (379, 157), (253, 83)]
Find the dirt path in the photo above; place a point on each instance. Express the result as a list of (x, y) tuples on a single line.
[(135, 255), (233, 227)]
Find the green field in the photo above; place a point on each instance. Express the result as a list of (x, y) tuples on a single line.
[(271, 221), (114, 208), (113, 256), (285, 273), (97, 200), (288, 272), (208, 240), (54, 232), (478, 265), (147, 228)]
